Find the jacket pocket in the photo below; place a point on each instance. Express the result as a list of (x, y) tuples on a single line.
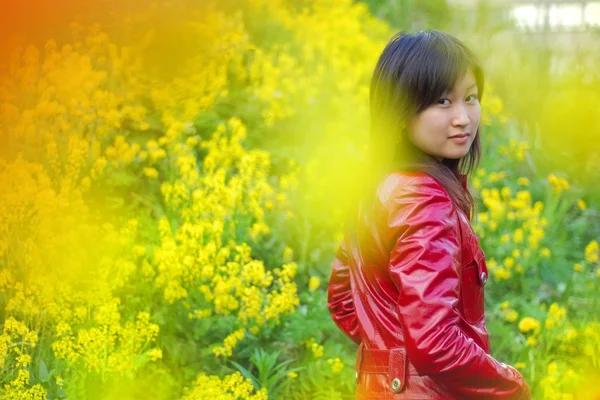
[(473, 279)]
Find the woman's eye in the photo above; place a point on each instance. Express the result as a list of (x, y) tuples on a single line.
[(474, 97), (441, 101)]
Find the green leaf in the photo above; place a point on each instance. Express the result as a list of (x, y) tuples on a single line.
[(43, 371)]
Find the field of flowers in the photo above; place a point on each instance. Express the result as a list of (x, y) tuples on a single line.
[(172, 189)]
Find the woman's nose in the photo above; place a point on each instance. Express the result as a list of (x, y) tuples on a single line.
[(461, 116)]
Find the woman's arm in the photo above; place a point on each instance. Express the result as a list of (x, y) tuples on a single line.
[(339, 295), (425, 265)]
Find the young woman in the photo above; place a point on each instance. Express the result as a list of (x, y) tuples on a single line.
[(408, 280)]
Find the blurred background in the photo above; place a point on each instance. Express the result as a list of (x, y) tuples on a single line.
[(540, 57), (174, 178)]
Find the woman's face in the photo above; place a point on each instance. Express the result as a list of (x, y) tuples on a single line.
[(434, 130)]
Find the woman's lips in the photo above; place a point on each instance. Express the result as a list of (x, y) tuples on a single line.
[(461, 139)]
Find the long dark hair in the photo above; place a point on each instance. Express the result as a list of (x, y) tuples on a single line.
[(412, 73)]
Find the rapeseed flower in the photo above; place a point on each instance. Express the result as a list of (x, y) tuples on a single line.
[(529, 325)]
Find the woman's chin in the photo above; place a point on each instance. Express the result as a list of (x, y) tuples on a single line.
[(455, 154)]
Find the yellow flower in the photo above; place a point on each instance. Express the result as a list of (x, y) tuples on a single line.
[(509, 262), (313, 283), (518, 235), (570, 334), (545, 252), (288, 254), (151, 173), (578, 267), (581, 204), (139, 251), (558, 184), (529, 324), (552, 368), (233, 386), (523, 181), (86, 182), (532, 341), (483, 217), (556, 315), (519, 268), (23, 360), (316, 349), (292, 375), (155, 354), (502, 273), (229, 343), (336, 365), (511, 316), (259, 229), (520, 365), (591, 252)]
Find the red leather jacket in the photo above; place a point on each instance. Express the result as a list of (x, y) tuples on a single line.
[(412, 297)]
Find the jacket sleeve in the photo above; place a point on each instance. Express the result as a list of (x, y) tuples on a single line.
[(425, 265), (339, 296)]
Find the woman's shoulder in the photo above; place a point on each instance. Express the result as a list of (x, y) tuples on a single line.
[(417, 186)]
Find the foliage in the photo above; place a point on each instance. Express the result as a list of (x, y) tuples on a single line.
[(171, 196)]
